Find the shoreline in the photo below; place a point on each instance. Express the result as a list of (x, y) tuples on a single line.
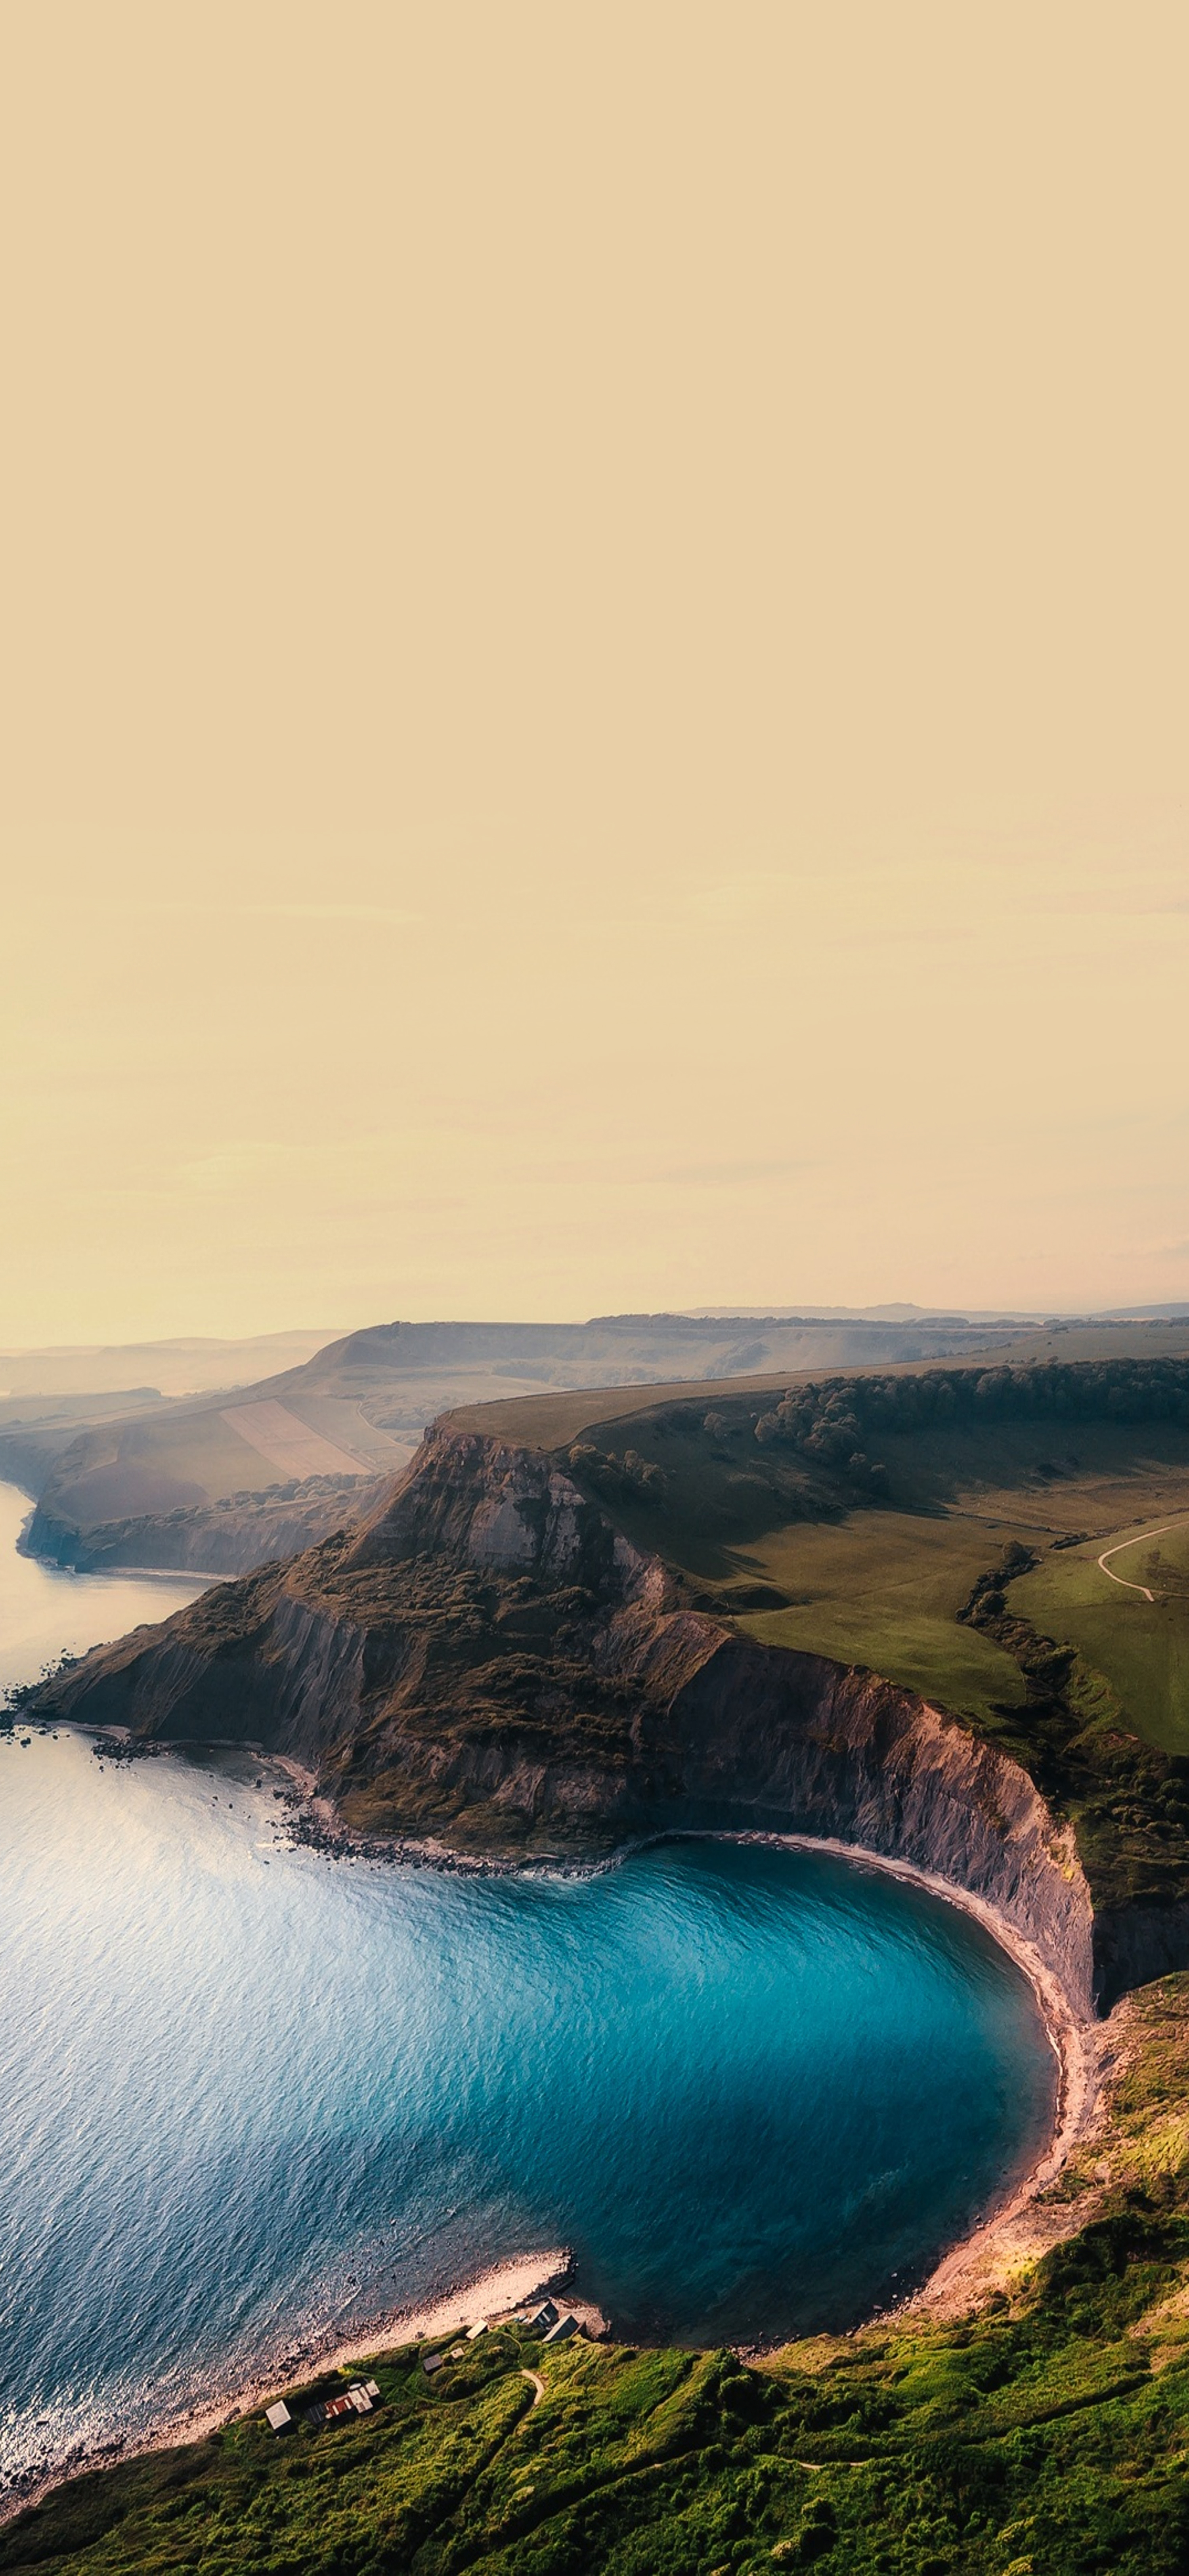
[(966, 2270), (494, 2293), (1077, 2042), (1078, 2045)]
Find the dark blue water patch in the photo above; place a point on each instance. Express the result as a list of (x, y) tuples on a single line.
[(254, 2094)]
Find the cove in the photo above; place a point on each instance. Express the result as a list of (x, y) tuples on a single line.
[(256, 2095), (45, 1611)]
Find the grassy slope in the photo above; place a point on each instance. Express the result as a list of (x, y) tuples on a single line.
[(373, 1392), (774, 1536), (884, 1586), (1047, 2437), (1141, 1647), (549, 1421), (1051, 2433)]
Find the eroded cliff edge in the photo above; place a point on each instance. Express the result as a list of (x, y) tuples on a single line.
[(489, 1663)]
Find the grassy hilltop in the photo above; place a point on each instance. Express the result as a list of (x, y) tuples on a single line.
[(851, 1514), (944, 1526), (357, 1405), (885, 1521), (1048, 2436), (1140, 1645)]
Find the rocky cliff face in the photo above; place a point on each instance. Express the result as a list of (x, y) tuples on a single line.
[(214, 1538), (489, 1662)]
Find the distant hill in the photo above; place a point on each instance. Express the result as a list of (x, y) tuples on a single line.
[(1129, 1314), (190, 1364), (508, 1655), (899, 1313), (938, 1613), (355, 1409)]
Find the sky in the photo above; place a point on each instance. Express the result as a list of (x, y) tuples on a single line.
[(594, 659)]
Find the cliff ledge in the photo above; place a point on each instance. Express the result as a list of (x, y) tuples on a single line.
[(489, 1663)]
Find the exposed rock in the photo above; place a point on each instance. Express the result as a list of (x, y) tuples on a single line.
[(489, 1663), (231, 1537)]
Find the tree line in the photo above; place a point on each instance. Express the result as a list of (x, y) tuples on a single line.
[(832, 1421)]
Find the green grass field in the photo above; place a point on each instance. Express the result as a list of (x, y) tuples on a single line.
[(884, 1589), (883, 1585), (1076, 1677), (1141, 1647), (1047, 2435)]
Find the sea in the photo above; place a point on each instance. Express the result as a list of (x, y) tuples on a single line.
[(256, 2098)]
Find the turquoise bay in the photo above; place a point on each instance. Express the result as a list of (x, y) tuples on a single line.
[(254, 2095), (257, 2099)]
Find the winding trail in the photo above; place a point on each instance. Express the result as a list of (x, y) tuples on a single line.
[(538, 2389), (1121, 1579)]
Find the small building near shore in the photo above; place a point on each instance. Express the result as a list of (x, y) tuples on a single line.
[(278, 2416)]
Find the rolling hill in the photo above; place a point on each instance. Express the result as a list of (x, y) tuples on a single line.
[(860, 1603), (221, 1480)]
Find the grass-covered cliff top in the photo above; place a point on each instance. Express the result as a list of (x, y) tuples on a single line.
[(362, 1401), (547, 1421), (851, 1514), (943, 1526), (1046, 2436), (940, 1527)]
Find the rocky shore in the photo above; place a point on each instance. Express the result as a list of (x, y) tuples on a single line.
[(995, 2251), (489, 1674), (491, 1668)]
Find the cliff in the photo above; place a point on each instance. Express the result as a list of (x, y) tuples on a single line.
[(491, 1664), (99, 1464), (229, 1537)]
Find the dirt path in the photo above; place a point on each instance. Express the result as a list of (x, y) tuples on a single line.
[(1121, 1579), (538, 2388)]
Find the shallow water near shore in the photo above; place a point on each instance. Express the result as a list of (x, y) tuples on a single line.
[(257, 2096), (46, 1611)]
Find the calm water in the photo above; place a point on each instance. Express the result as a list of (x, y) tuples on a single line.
[(252, 2094), (45, 1613)]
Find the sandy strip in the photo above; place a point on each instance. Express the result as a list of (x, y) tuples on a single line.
[(1013, 2231), (1010, 2234), (496, 2294), (1001, 2243), (493, 2296)]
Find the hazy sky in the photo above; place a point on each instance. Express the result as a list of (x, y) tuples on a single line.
[(594, 628)]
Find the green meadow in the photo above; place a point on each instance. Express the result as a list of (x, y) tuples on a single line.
[(884, 1589), (1047, 2435), (1141, 1647), (943, 1530), (774, 1536), (947, 1540)]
